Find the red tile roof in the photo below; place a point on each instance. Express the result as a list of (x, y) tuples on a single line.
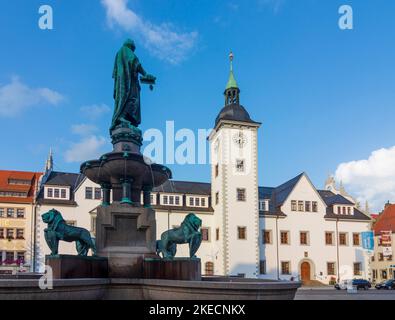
[(30, 189), (386, 221)]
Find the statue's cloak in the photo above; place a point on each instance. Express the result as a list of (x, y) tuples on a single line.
[(126, 87)]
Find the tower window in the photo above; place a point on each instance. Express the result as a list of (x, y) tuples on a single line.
[(241, 194), (240, 166), (216, 170), (242, 233), (217, 198)]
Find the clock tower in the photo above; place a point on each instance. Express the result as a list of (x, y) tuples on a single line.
[(234, 186)]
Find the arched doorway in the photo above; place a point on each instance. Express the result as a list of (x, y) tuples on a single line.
[(305, 271)]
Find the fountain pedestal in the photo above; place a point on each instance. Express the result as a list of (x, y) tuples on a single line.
[(126, 235), (182, 269), (126, 228)]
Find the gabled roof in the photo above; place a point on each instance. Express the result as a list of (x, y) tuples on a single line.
[(331, 198), (277, 196), (64, 179), (386, 220), (29, 189), (282, 192), (185, 187), (265, 192)]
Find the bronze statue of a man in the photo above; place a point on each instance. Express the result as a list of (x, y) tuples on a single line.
[(127, 68)]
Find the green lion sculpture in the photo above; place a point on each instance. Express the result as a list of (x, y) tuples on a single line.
[(189, 232), (58, 230)]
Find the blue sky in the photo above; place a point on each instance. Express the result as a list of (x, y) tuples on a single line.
[(325, 96)]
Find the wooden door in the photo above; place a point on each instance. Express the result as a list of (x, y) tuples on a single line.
[(305, 271)]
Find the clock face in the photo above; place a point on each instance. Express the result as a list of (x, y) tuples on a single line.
[(240, 139)]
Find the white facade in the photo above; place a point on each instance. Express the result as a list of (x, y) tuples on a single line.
[(234, 192), (236, 219), (314, 253)]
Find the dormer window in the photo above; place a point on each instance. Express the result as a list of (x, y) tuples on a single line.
[(20, 182), (264, 205), (57, 193), (194, 201), (172, 200)]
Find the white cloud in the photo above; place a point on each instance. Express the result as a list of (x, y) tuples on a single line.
[(372, 179), (83, 129), (88, 148), (163, 41), (16, 97), (95, 111)]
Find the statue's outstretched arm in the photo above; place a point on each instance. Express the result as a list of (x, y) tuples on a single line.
[(141, 70)]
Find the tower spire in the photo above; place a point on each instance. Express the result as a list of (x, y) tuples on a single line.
[(232, 90), (49, 162)]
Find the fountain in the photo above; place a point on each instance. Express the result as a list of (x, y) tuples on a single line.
[(126, 231), (127, 265)]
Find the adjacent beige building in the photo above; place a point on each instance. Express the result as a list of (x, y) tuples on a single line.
[(382, 262), (17, 209)]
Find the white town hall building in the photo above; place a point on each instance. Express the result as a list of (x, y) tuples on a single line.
[(292, 231)]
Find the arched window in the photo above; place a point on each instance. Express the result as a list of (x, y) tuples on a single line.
[(209, 269)]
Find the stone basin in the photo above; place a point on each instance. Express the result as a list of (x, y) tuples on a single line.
[(113, 167), (127, 174), (148, 289)]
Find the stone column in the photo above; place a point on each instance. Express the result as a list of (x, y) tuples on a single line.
[(147, 196), (126, 191), (106, 188)]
